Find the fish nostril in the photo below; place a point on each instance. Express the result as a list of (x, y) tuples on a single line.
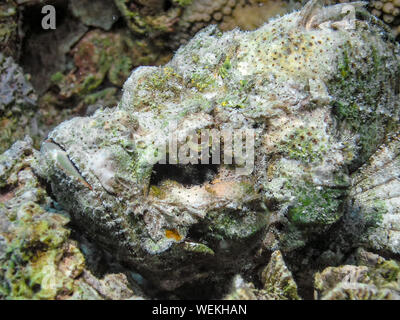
[(187, 175)]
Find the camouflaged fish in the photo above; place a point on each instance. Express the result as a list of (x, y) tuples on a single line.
[(318, 87)]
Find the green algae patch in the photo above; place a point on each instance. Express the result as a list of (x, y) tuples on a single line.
[(183, 3), (224, 69), (232, 225), (36, 255), (372, 116), (316, 206)]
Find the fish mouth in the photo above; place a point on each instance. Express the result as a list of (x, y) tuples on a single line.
[(63, 161)]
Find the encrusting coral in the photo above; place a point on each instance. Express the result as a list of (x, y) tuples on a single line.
[(227, 14), (388, 11)]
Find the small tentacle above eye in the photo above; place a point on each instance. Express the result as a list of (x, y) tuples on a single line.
[(314, 14), (308, 11)]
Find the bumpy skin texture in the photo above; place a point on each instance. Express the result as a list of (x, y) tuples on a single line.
[(318, 86), (17, 102), (56, 77)]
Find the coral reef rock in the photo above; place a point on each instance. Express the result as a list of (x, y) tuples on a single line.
[(227, 14), (9, 24), (17, 103), (278, 283), (318, 90), (278, 280), (388, 11), (374, 279), (95, 13), (99, 55)]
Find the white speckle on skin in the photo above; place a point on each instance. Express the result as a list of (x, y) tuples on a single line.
[(101, 166)]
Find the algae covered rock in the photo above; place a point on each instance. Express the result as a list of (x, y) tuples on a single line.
[(373, 279), (9, 24), (246, 15), (314, 92), (17, 102), (182, 19), (99, 56), (278, 280), (96, 13)]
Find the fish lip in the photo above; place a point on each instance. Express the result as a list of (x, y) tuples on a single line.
[(69, 168)]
